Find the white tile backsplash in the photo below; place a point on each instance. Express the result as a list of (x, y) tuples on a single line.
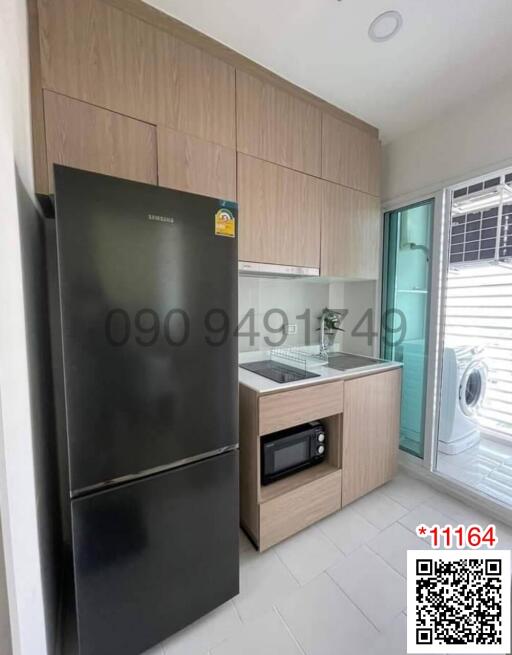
[(358, 298), (274, 301)]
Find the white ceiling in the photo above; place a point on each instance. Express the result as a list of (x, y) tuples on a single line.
[(446, 51)]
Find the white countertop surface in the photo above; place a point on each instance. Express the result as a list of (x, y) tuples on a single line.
[(325, 374)]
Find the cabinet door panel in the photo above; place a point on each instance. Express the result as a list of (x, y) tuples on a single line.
[(94, 139), (371, 425), (350, 156), (278, 411), (191, 164), (93, 52), (279, 216), (276, 126), (285, 515), (196, 91), (350, 233), (102, 55)]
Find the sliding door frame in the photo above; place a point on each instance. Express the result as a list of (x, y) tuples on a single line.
[(440, 242), (440, 246), (442, 274), (438, 228), (426, 468)]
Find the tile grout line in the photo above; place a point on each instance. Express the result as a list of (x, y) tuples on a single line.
[(237, 611), (354, 604), (394, 499), (373, 524), (386, 562), (331, 541), (288, 569), (289, 630)]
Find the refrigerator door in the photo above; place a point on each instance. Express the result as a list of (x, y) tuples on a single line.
[(152, 556), (148, 296)]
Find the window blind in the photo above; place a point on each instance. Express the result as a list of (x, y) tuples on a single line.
[(479, 312)]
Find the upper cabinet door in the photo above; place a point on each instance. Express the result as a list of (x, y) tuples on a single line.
[(191, 164), (276, 126), (279, 214), (350, 156), (102, 55), (350, 233), (196, 91), (93, 52), (94, 139)]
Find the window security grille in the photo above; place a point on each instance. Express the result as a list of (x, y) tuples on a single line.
[(481, 222)]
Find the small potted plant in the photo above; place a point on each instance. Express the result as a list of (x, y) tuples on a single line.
[(330, 319)]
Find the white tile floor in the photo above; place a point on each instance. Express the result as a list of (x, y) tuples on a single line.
[(487, 466), (337, 587)]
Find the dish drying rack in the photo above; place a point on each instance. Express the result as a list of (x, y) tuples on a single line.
[(299, 357)]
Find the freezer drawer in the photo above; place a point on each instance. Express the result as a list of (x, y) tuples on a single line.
[(154, 555)]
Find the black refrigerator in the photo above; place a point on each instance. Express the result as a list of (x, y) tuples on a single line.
[(143, 287)]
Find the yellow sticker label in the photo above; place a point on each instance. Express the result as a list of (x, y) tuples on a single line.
[(224, 223)]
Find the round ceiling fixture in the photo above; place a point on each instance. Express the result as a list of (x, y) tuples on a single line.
[(385, 26)]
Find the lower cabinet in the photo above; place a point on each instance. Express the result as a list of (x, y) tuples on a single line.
[(360, 419), (288, 513), (371, 424), (273, 512), (94, 139)]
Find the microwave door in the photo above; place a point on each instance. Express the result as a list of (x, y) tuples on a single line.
[(284, 455)]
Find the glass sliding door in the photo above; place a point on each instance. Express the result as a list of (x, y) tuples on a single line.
[(406, 283), (473, 446)]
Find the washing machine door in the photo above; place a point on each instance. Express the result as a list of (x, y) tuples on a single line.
[(472, 387)]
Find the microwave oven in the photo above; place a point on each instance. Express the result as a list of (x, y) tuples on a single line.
[(291, 450)]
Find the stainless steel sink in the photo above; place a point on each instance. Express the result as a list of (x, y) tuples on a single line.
[(344, 361)]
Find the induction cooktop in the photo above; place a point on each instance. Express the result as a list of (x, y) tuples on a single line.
[(278, 372), (346, 361)]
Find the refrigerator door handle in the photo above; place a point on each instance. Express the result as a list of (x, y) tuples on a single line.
[(84, 491)]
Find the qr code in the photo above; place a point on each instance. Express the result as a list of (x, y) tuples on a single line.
[(458, 601)]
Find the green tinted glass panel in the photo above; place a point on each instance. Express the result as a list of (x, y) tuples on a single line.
[(405, 311)]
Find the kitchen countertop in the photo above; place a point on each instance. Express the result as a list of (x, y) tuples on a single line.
[(325, 374)]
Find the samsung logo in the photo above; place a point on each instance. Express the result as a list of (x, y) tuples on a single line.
[(160, 219)]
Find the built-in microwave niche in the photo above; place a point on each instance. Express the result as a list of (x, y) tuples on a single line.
[(292, 450)]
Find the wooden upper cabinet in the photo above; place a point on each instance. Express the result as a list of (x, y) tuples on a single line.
[(350, 233), (196, 91), (350, 156), (93, 52), (371, 427), (191, 164), (276, 126), (102, 55), (279, 214), (98, 140)]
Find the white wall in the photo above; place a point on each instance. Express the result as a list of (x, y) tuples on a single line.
[(5, 628), (17, 482), (358, 299), (472, 138), (296, 296)]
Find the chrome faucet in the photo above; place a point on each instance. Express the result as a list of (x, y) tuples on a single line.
[(323, 348), (330, 319)]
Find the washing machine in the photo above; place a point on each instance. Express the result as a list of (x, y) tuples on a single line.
[(464, 381)]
